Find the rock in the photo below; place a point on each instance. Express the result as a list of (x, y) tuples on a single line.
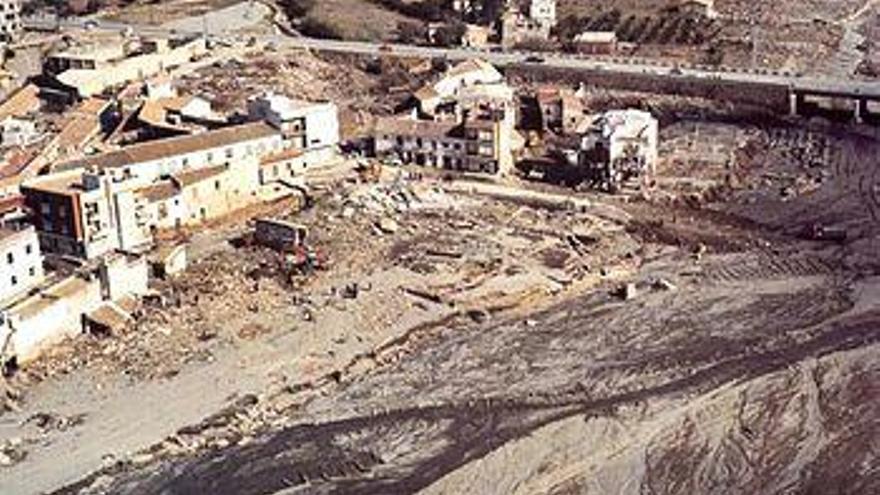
[(663, 284), (142, 459), (5, 460), (628, 291), (388, 226), (478, 315)]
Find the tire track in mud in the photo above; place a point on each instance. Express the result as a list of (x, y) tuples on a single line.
[(311, 455), (767, 267)]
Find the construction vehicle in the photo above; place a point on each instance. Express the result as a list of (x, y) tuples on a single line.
[(305, 260)]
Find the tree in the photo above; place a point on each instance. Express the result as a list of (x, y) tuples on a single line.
[(450, 34), (410, 32)]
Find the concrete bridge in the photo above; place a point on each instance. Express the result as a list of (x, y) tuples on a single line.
[(862, 98)]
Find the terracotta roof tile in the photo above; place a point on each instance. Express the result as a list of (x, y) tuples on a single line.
[(166, 148)]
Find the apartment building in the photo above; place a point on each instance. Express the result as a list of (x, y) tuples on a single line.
[(152, 160), (115, 200), (481, 143), (21, 261), (196, 196), (62, 308), (86, 215)]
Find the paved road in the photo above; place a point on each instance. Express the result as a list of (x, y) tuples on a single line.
[(805, 84)]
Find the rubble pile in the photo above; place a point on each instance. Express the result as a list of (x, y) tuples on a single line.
[(228, 84), (175, 323), (793, 161)]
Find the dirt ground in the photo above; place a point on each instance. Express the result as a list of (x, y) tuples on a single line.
[(162, 12), (464, 343), (359, 87), (469, 337)]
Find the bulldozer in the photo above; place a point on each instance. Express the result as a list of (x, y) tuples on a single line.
[(305, 260)]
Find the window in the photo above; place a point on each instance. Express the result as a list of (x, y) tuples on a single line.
[(9, 258), (28, 249), (184, 162), (14, 280), (217, 185), (210, 157), (228, 152), (62, 211), (45, 208), (32, 271)]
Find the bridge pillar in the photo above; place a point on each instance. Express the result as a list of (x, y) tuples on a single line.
[(861, 110), (795, 103)]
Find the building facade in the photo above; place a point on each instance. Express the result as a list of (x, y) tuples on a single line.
[(595, 42), (21, 261), (304, 125), (481, 144), (543, 13), (10, 22), (619, 145), (114, 200)]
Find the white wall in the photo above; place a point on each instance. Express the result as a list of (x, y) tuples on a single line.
[(322, 126), (123, 275), (45, 319), (20, 259)]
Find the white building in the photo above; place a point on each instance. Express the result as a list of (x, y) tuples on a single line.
[(94, 206), (10, 19), (152, 160), (305, 125), (456, 80), (55, 311), (18, 132), (22, 264), (619, 144), (543, 12), (91, 69)]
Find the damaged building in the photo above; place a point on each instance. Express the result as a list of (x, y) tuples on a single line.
[(618, 146), (464, 122)]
